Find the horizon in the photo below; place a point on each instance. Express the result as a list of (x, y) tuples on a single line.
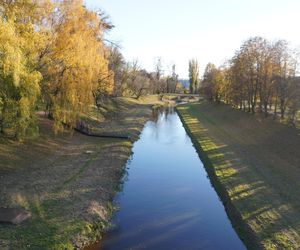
[(101, 150), (174, 23)]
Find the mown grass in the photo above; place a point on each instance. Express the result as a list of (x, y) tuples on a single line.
[(254, 165)]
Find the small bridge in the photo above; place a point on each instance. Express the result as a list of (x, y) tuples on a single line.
[(182, 95)]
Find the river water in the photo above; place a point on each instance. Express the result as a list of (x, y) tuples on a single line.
[(167, 200)]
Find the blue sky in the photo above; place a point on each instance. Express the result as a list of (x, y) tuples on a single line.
[(208, 30)]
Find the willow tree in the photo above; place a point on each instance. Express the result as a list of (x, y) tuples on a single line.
[(194, 75), (77, 65), (20, 41)]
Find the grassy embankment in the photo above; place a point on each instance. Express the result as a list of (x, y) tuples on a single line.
[(254, 164), (67, 191)]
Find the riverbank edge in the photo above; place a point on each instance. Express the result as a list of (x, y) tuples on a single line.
[(88, 230), (243, 230), (98, 230)]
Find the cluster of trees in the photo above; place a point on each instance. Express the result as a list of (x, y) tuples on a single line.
[(261, 77), (53, 53), (50, 52), (131, 80)]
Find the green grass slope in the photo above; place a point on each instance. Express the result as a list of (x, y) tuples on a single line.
[(255, 166), (67, 191)]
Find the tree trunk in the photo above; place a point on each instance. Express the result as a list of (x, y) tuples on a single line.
[(282, 108), (266, 108), (275, 107)]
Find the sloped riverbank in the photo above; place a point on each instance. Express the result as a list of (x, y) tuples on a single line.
[(167, 201), (67, 182), (255, 165)]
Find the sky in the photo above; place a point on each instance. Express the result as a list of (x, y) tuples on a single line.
[(207, 30)]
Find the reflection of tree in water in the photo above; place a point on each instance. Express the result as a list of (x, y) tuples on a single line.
[(169, 111), (162, 112), (125, 174), (155, 114)]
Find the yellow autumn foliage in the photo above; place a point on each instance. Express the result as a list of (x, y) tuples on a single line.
[(19, 81), (54, 48), (77, 63)]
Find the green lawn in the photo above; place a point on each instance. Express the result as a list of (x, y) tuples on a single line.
[(255, 165)]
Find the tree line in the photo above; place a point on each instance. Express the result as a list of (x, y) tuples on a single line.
[(260, 77), (132, 80), (54, 54)]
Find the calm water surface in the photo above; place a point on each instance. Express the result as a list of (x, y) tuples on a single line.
[(167, 201)]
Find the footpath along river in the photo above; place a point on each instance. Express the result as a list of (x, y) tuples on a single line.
[(167, 200)]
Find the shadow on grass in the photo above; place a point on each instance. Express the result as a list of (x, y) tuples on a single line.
[(67, 194), (259, 199)]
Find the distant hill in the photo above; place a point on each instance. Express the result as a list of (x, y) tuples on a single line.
[(185, 82)]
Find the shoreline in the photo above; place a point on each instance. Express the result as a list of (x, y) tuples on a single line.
[(58, 180), (252, 164), (244, 232)]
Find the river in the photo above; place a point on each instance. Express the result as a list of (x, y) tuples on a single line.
[(167, 200)]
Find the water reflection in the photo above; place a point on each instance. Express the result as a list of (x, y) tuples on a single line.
[(167, 201), (160, 112)]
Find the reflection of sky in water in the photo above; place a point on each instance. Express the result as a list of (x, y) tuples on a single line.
[(167, 201)]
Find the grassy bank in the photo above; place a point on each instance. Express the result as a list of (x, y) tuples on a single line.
[(67, 190), (254, 165)]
